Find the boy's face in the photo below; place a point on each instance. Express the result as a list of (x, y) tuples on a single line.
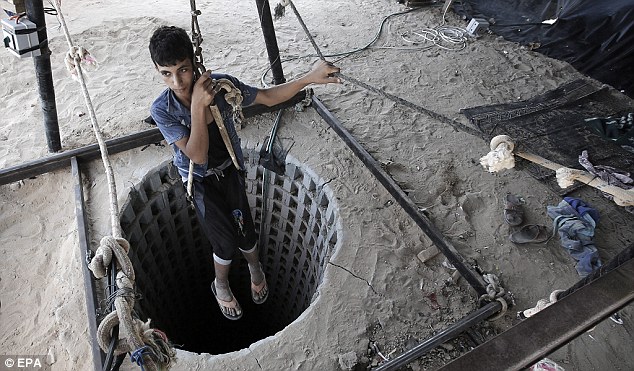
[(179, 77)]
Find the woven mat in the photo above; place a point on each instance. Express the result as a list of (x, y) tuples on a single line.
[(551, 125)]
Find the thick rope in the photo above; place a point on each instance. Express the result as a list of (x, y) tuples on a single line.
[(233, 96), (115, 245), (453, 123)]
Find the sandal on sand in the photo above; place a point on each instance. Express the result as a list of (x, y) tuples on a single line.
[(226, 305), (513, 211), (531, 233), (256, 292)]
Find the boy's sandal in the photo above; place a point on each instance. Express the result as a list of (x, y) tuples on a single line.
[(225, 305), (256, 292)]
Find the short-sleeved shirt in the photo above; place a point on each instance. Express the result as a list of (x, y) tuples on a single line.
[(174, 121)]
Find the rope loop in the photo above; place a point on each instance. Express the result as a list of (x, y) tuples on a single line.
[(108, 247)]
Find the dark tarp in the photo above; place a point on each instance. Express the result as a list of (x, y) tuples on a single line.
[(594, 36), (553, 125)]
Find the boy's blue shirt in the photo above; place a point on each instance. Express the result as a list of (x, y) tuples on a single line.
[(174, 121)]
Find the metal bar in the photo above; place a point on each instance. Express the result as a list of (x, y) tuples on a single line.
[(89, 284), (91, 152), (534, 338), (84, 154), (44, 76), (266, 175), (475, 280), (620, 258), (453, 331), (264, 12)]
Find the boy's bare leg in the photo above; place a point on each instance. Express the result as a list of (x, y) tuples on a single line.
[(255, 269)]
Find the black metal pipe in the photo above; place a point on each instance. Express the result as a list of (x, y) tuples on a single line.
[(453, 331), (89, 284), (475, 280), (44, 76), (534, 338), (264, 12), (116, 145)]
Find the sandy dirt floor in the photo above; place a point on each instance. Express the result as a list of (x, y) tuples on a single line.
[(385, 294)]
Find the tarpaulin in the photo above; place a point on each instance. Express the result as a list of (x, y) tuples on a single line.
[(594, 36)]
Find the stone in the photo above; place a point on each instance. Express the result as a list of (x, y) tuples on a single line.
[(427, 254), (348, 360)]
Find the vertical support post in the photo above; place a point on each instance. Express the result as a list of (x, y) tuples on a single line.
[(44, 76), (266, 22)]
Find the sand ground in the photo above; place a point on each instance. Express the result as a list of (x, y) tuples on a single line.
[(387, 298)]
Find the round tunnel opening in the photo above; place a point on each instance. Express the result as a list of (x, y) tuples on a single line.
[(173, 262)]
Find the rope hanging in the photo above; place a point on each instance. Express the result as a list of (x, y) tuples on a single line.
[(233, 96), (453, 123), (136, 334)]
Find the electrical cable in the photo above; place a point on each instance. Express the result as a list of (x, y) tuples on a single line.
[(348, 53)]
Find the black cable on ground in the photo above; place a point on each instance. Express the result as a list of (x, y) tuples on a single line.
[(453, 123)]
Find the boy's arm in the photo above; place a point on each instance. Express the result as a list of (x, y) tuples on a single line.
[(196, 146), (320, 74)]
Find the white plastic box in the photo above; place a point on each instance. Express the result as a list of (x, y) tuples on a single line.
[(21, 37), (477, 25)]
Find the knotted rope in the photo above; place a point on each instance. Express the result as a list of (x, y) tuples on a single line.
[(136, 334), (83, 55)]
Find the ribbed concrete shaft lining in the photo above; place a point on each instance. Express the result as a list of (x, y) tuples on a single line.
[(173, 263)]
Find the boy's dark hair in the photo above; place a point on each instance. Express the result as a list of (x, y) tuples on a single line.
[(170, 45)]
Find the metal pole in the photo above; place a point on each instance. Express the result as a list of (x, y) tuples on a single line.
[(475, 280), (89, 284), (264, 11), (116, 145), (266, 179), (44, 76), (534, 338), (454, 330)]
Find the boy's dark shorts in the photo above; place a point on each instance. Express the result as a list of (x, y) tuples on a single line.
[(224, 212)]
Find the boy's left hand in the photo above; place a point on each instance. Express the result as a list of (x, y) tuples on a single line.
[(323, 73)]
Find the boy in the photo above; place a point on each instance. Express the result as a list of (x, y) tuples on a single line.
[(184, 118)]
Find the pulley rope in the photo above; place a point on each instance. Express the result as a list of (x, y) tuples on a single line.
[(233, 98), (116, 245), (453, 123)]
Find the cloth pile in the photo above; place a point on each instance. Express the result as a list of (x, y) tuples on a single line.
[(575, 221)]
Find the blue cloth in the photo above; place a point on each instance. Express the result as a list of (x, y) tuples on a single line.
[(582, 208), (174, 121), (575, 222)]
